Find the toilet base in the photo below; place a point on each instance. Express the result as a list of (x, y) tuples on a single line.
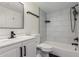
[(41, 53), (45, 54), (53, 55)]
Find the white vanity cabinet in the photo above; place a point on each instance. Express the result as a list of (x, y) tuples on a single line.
[(25, 48), (10, 51), (29, 48)]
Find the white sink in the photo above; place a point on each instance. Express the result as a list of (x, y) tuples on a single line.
[(3, 40), (15, 39), (24, 37)]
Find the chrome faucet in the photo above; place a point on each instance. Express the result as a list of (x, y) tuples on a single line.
[(12, 35)]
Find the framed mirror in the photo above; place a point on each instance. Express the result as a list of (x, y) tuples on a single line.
[(11, 15)]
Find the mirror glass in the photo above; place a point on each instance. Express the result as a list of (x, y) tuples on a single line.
[(11, 15)]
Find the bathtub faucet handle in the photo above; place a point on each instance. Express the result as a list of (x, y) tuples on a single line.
[(76, 39)]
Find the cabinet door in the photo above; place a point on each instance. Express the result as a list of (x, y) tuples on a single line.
[(29, 48), (10, 51), (19, 51)]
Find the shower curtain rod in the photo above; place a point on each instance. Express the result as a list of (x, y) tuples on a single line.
[(32, 14)]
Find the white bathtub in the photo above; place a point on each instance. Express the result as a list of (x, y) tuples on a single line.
[(63, 50)]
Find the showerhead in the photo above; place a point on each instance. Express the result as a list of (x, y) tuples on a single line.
[(75, 6), (75, 12)]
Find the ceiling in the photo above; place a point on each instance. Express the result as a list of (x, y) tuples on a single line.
[(54, 6)]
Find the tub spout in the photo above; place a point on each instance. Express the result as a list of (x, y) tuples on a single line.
[(76, 44)]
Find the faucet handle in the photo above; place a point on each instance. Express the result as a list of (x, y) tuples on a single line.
[(12, 32), (76, 39)]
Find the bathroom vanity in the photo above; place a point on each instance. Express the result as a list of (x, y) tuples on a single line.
[(24, 46)]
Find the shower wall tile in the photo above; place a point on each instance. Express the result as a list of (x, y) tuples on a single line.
[(60, 28)]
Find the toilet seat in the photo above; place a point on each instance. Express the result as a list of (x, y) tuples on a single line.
[(45, 47)]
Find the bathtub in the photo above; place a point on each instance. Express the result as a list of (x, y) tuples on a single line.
[(63, 50)]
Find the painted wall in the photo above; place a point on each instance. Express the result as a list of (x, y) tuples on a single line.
[(43, 26), (29, 26), (59, 30), (31, 22)]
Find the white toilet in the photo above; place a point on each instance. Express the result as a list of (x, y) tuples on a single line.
[(45, 48)]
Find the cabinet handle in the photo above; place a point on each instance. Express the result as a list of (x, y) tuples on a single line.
[(21, 52), (24, 50)]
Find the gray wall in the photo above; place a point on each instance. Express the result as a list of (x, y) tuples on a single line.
[(42, 26)]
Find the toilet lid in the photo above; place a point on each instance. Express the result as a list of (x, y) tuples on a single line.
[(45, 47)]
